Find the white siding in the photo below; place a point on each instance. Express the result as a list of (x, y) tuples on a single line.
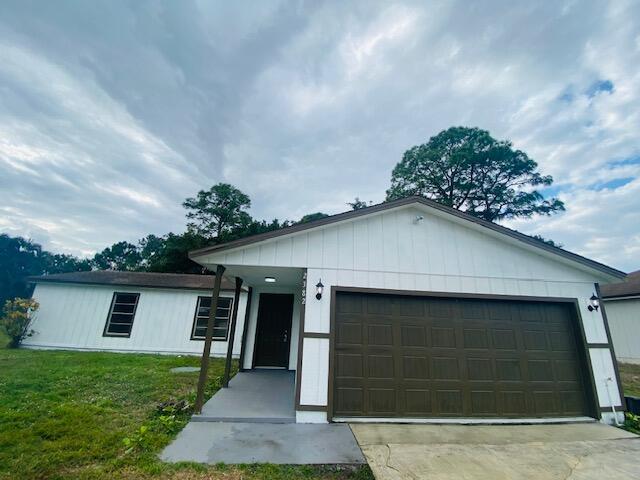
[(440, 253), (74, 316), (624, 323)]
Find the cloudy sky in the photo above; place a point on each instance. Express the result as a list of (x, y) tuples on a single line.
[(111, 113)]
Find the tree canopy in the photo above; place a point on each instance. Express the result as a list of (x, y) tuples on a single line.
[(21, 258), (217, 211), (357, 204), (467, 169)]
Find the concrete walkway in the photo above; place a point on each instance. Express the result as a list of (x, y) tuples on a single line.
[(295, 444), (262, 396), (582, 451)]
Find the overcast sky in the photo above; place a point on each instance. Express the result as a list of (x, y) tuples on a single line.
[(112, 113)]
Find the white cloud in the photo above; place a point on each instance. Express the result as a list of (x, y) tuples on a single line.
[(108, 123)]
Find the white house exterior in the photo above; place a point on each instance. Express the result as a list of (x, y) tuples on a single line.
[(426, 314), (75, 310), (622, 303)]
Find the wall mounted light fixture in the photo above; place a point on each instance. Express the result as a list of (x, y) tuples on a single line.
[(319, 287), (594, 303)]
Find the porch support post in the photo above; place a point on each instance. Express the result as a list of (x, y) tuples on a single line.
[(204, 363), (232, 333), (243, 340)]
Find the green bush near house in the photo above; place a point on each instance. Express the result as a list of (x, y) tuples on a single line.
[(15, 319), (92, 415)]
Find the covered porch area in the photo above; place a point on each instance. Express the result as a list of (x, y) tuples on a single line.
[(253, 396), (264, 390)]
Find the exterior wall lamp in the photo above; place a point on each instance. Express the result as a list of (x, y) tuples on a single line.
[(319, 287), (594, 303)]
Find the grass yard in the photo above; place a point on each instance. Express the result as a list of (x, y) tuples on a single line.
[(67, 415), (630, 376)]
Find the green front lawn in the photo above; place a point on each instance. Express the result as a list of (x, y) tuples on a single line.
[(67, 415), (630, 377)]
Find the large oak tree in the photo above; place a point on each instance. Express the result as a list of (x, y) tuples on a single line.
[(467, 169)]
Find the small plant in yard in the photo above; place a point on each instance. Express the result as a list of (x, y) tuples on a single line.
[(138, 441), (632, 422), (16, 317)]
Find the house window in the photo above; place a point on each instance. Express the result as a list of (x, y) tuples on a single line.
[(121, 313), (221, 323)]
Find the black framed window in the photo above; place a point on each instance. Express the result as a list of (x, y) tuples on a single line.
[(121, 314), (221, 323)]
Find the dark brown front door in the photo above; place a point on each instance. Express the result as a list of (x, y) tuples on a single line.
[(273, 333), (406, 356)]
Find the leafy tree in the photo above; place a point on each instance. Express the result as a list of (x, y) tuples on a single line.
[(548, 241), (21, 258), (467, 169), (357, 204), (16, 317), (119, 256), (150, 247), (217, 211), (173, 256), (311, 217), (63, 263)]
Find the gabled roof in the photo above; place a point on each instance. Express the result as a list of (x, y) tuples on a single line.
[(136, 279), (629, 288), (340, 217)]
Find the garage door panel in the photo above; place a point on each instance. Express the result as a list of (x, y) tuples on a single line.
[(349, 365), (417, 402), (475, 338), (415, 367), (449, 402), (382, 401), (348, 332), (443, 337), (379, 335), (413, 336), (445, 368), (480, 369), (413, 357), (381, 366), (484, 403)]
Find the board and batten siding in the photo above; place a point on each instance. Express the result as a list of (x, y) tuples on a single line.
[(624, 323), (439, 253), (73, 316)]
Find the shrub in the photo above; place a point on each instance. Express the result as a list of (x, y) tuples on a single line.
[(632, 422), (16, 317)]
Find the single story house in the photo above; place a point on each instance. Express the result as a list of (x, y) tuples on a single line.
[(406, 311), (411, 311), (622, 303), (131, 312)]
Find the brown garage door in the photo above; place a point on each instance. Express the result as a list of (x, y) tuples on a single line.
[(406, 356)]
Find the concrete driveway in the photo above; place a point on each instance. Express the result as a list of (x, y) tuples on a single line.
[(435, 452)]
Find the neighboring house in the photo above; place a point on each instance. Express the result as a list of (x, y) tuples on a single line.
[(622, 304), (131, 312), (424, 312)]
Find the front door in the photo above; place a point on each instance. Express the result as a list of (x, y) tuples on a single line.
[(273, 333)]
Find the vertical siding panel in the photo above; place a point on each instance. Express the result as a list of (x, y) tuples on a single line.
[(299, 254), (330, 248), (375, 243), (345, 246), (390, 242), (315, 249), (268, 253), (405, 227), (251, 256), (284, 252), (361, 245)]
